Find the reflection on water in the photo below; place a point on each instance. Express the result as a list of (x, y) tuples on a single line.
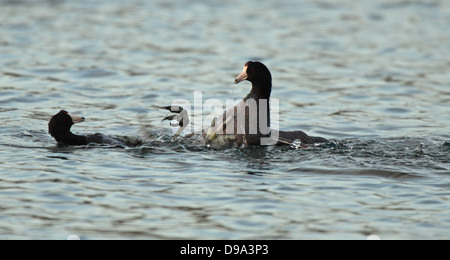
[(372, 76)]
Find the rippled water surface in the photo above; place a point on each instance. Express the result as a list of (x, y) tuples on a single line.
[(373, 76)]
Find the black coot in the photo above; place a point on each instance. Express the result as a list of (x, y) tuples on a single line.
[(59, 127)]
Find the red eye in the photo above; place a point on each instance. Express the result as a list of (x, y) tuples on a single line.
[(64, 111)]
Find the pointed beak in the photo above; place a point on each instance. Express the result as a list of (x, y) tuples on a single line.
[(77, 119), (242, 76)]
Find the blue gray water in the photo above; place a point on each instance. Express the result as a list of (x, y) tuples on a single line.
[(373, 76)]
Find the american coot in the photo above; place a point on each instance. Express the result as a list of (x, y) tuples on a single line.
[(59, 127), (249, 121)]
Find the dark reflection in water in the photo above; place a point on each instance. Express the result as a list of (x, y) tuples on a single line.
[(371, 76)]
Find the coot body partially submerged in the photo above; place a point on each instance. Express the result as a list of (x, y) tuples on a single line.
[(59, 128), (249, 121)]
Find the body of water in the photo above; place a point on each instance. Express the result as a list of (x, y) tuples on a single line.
[(372, 76)]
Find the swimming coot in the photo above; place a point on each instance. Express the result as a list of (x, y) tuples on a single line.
[(249, 121), (59, 127), (259, 75)]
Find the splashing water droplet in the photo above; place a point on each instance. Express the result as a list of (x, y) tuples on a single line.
[(419, 149), (296, 144)]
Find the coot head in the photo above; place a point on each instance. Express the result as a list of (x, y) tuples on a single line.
[(259, 75), (60, 124)]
